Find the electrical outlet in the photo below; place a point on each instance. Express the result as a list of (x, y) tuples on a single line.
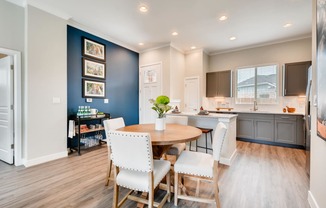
[(89, 100), (106, 100)]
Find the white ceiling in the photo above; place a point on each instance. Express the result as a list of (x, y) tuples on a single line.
[(253, 22)]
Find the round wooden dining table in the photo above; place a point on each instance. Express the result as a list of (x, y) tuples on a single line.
[(163, 140)]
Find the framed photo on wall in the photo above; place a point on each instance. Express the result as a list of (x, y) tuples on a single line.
[(93, 69), (93, 49), (321, 73), (93, 89)]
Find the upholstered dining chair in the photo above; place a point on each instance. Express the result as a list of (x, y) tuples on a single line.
[(135, 167), (176, 149), (111, 124), (201, 165)]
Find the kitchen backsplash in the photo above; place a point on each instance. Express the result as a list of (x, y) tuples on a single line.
[(296, 102)]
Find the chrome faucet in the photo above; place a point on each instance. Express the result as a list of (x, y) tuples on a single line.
[(255, 106)]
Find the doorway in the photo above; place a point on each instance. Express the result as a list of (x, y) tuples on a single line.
[(10, 107), (192, 95), (150, 82)]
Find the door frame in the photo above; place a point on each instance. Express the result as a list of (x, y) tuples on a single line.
[(140, 83), (17, 104), (198, 91)]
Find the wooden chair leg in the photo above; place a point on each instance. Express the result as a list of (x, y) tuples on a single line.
[(176, 184), (116, 190), (151, 190), (168, 183), (108, 174), (215, 182)]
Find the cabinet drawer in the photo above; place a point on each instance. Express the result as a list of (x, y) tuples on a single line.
[(286, 117)]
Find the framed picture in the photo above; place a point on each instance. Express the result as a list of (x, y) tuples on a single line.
[(93, 69), (321, 73), (93, 89), (93, 49)]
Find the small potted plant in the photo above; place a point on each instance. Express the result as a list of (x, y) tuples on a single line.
[(160, 105)]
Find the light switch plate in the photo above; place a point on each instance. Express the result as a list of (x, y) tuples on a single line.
[(56, 100), (106, 100), (89, 100)]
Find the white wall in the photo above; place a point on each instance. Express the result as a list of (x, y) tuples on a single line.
[(287, 52), (12, 26), (318, 146), (159, 55), (177, 74), (196, 61), (46, 79)]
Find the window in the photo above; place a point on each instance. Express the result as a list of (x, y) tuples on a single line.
[(257, 83)]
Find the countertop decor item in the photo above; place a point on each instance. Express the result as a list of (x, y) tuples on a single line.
[(160, 105), (290, 110)]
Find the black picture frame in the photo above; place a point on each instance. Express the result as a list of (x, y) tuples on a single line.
[(94, 49), (93, 88), (93, 69)]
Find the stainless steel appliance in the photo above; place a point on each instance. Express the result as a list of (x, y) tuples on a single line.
[(307, 118)]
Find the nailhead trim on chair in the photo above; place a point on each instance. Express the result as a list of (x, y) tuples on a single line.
[(138, 136)]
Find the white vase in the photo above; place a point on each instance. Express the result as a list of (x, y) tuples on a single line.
[(160, 124)]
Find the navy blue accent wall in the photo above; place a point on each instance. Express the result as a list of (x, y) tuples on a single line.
[(121, 78)]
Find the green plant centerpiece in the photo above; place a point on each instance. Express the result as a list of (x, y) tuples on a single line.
[(160, 105)]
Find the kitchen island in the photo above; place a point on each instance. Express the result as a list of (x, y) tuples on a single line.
[(210, 121)]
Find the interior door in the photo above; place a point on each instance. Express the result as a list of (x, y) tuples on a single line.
[(6, 112), (192, 98), (150, 88)]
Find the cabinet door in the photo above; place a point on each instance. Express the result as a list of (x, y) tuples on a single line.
[(295, 78), (264, 129), (285, 131), (245, 128), (211, 84), (224, 87)]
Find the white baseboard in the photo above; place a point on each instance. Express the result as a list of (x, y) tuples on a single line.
[(44, 159), (312, 200), (228, 161)]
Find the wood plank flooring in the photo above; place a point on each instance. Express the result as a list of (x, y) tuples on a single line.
[(261, 177)]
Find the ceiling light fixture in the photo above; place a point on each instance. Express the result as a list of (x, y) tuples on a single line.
[(175, 33), (233, 38), (140, 44), (143, 9), (287, 25), (222, 18), (193, 47)]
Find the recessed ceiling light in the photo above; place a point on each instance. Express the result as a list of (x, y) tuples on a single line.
[(143, 9), (222, 18), (233, 38), (287, 25), (140, 44), (175, 33), (193, 47)]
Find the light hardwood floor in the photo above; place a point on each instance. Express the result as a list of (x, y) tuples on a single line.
[(261, 177)]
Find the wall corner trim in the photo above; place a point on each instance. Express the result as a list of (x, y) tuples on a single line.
[(312, 201), (44, 159)]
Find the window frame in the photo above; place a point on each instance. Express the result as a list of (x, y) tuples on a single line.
[(237, 101)]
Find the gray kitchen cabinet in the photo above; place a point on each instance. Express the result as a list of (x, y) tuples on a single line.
[(295, 77), (245, 127), (264, 129), (285, 131), (255, 126), (219, 84), (272, 129), (211, 84)]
